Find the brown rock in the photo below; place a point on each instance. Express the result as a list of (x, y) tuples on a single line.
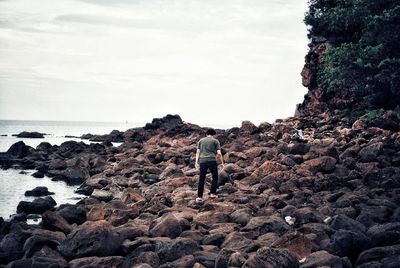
[(167, 225), (52, 221), (296, 243), (320, 164), (267, 168)]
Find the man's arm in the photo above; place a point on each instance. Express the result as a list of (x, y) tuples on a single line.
[(221, 158), (197, 158)]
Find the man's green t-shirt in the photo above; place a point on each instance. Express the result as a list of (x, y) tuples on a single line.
[(208, 148)]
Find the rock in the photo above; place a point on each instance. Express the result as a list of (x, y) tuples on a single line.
[(168, 122), (90, 239), (323, 259), (297, 243), (384, 234), (380, 257), (215, 239), (298, 148), (342, 222), (272, 258), (185, 261), (52, 221), (349, 244), (266, 224), (370, 152), (19, 150), (237, 241), (323, 164), (95, 262), (41, 238), (205, 258), (222, 258), (11, 246), (241, 216), (147, 257), (72, 213), (38, 191), (38, 262), (267, 168), (167, 225), (175, 249), (37, 206), (32, 135), (102, 195), (38, 174), (248, 126)]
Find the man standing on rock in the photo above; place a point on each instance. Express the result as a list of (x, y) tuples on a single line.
[(207, 150)]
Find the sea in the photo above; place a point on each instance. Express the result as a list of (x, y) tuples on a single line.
[(14, 183)]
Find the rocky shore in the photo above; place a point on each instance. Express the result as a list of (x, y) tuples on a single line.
[(325, 196)]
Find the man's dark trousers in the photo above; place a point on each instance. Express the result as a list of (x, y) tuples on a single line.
[(213, 167)]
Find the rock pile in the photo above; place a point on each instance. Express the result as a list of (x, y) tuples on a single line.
[(330, 198)]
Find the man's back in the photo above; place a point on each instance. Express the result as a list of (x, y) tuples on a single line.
[(208, 148)]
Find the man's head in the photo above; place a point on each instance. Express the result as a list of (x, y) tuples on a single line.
[(211, 132)]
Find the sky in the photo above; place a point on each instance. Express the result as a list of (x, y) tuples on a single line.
[(210, 61)]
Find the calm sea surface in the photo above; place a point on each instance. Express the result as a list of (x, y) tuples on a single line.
[(13, 184)]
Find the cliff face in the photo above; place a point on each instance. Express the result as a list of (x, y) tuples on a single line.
[(318, 98), (353, 65)]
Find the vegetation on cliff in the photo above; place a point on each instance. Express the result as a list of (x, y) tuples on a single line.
[(364, 56)]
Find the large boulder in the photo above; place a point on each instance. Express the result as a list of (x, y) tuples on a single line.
[(168, 122), (32, 135), (384, 234), (91, 239), (37, 206), (19, 150), (38, 191)]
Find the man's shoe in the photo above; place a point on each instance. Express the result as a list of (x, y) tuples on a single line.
[(213, 196), (199, 200)]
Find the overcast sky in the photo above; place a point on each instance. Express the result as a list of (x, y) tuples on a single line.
[(211, 61)]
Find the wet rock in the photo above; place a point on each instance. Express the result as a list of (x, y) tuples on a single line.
[(19, 150), (270, 257), (38, 174), (90, 239), (175, 249), (32, 135), (37, 206), (38, 191)]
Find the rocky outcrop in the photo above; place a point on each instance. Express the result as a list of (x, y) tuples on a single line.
[(328, 198), (32, 135)]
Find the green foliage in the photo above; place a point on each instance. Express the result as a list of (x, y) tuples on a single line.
[(366, 54), (372, 115)]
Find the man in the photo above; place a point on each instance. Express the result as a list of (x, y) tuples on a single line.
[(207, 150)]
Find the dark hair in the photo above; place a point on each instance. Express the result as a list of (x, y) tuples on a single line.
[(211, 132)]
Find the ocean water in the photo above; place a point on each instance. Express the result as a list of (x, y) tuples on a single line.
[(13, 183)]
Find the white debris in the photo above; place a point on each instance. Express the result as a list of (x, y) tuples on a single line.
[(290, 220), (328, 220)]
